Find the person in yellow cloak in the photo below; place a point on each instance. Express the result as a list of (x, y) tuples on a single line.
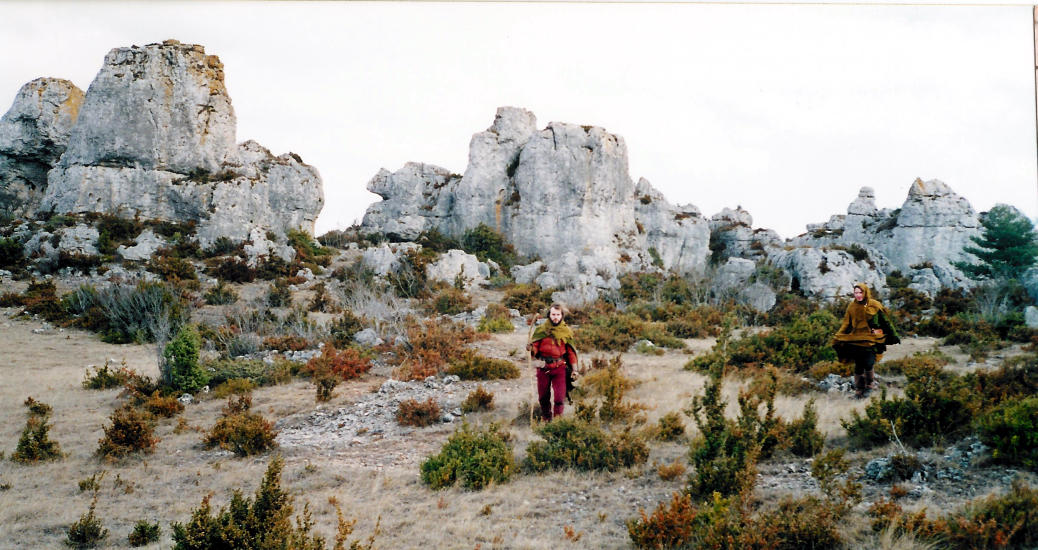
[(863, 336)]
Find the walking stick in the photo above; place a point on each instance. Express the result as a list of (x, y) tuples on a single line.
[(529, 361)]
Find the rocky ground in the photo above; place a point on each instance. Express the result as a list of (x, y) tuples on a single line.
[(352, 451)]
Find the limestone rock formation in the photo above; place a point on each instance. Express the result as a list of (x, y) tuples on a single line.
[(454, 263), (922, 239), (732, 236), (825, 274), (560, 192), (155, 138), (33, 134)]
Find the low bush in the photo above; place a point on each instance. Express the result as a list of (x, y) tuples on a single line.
[(162, 406), (670, 525), (670, 427), (35, 444), (143, 533), (230, 269), (571, 443), (432, 345), (1011, 430), (412, 412), (346, 364), (618, 332), (995, 521), (478, 400), (473, 366), (797, 346), (344, 327), (220, 295), (125, 313), (606, 381), (11, 256), (496, 319), (258, 523), (40, 298), (88, 531), (286, 343), (234, 386), (450, 301), (180, 368), (279, 294), (240, 430), (255, 370), (131, 431), (937, 405), (919, 359), (171, 268), (802, 434), (104, 377), (323, 301), (488, 244), (822, 369), (528, 298), (472, 458)]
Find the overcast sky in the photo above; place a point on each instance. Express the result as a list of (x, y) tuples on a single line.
[(786, 109)]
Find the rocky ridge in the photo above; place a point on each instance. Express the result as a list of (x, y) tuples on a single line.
[(154, 138)]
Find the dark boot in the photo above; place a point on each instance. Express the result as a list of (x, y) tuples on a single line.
[(859, 386), (870, 380)]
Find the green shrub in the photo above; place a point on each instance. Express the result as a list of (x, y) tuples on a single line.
[(496, 319), (35, 444), (180, 368), (171, 268), (477, 400), (255, 370), (104, 377), (487, 244), (124, 313), (576, 444), (131, 431), (1011, 430), (40, 298), (473, 366), (144, 533), (606, 380), (419, 414), (803, 435), (473, 458), (165, 406), (241, 431), (919, 359), (434, 344), (344, 327), (937, 405), (322, 300), (528, 299), (451, 301), (87, 531), (258, 523), (618, 332), (279, 295), (221, 294), (231, 269), (11, 256), (670, 427)]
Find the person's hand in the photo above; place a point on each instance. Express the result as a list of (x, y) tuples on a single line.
[(877, 331), (529, 347)]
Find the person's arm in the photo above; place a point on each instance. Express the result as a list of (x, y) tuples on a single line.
[(571, 356)]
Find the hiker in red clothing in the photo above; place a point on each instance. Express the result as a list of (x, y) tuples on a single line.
[(552, 343)]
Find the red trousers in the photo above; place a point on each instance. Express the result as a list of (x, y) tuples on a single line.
[(551, 380)]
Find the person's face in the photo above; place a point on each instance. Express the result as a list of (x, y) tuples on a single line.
[(859, 294), (555, 316)]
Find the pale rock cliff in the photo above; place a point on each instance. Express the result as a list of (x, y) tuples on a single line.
[(155, 138), (33, 135)]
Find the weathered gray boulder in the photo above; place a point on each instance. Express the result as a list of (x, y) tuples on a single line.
[(259, 247), (758, 296), (525, 274), (674, 236), (825, 274), (732, 275), (458, 263), (80, 239), (156, 138), (144, 246), (33, 134), (732, 236), (385, 259), (413, 200), (1031, 316)]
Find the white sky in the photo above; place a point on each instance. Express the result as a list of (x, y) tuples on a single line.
[(786, 109)]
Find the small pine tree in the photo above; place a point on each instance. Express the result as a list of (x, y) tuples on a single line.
[(35, 444), (1007, 246), (180, 369)]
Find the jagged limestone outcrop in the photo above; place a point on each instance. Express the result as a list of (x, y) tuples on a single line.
[(155, 138), (33, 135), (561, 192), (922, 239)]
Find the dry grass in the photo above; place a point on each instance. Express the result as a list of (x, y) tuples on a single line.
[(377, 478)]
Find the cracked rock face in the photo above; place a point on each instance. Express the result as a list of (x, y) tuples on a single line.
[(33, 135), (563, 190), (156, 139)]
